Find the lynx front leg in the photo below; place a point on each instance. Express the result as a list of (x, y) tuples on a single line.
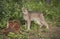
[(28, 24)]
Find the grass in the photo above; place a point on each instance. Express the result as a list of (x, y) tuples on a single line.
[(35, 33)]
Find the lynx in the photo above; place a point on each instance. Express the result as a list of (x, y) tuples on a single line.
[(33, 16)]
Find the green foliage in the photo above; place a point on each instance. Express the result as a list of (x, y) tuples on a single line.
[(1, 36), (12, 35), (11, 10)]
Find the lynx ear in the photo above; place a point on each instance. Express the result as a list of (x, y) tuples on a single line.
[(24, 10)]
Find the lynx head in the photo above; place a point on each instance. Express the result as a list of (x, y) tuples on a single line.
[(24, 10)]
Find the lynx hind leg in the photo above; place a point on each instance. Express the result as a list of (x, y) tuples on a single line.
[(45, 24), (42, 20), (39, 23)]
